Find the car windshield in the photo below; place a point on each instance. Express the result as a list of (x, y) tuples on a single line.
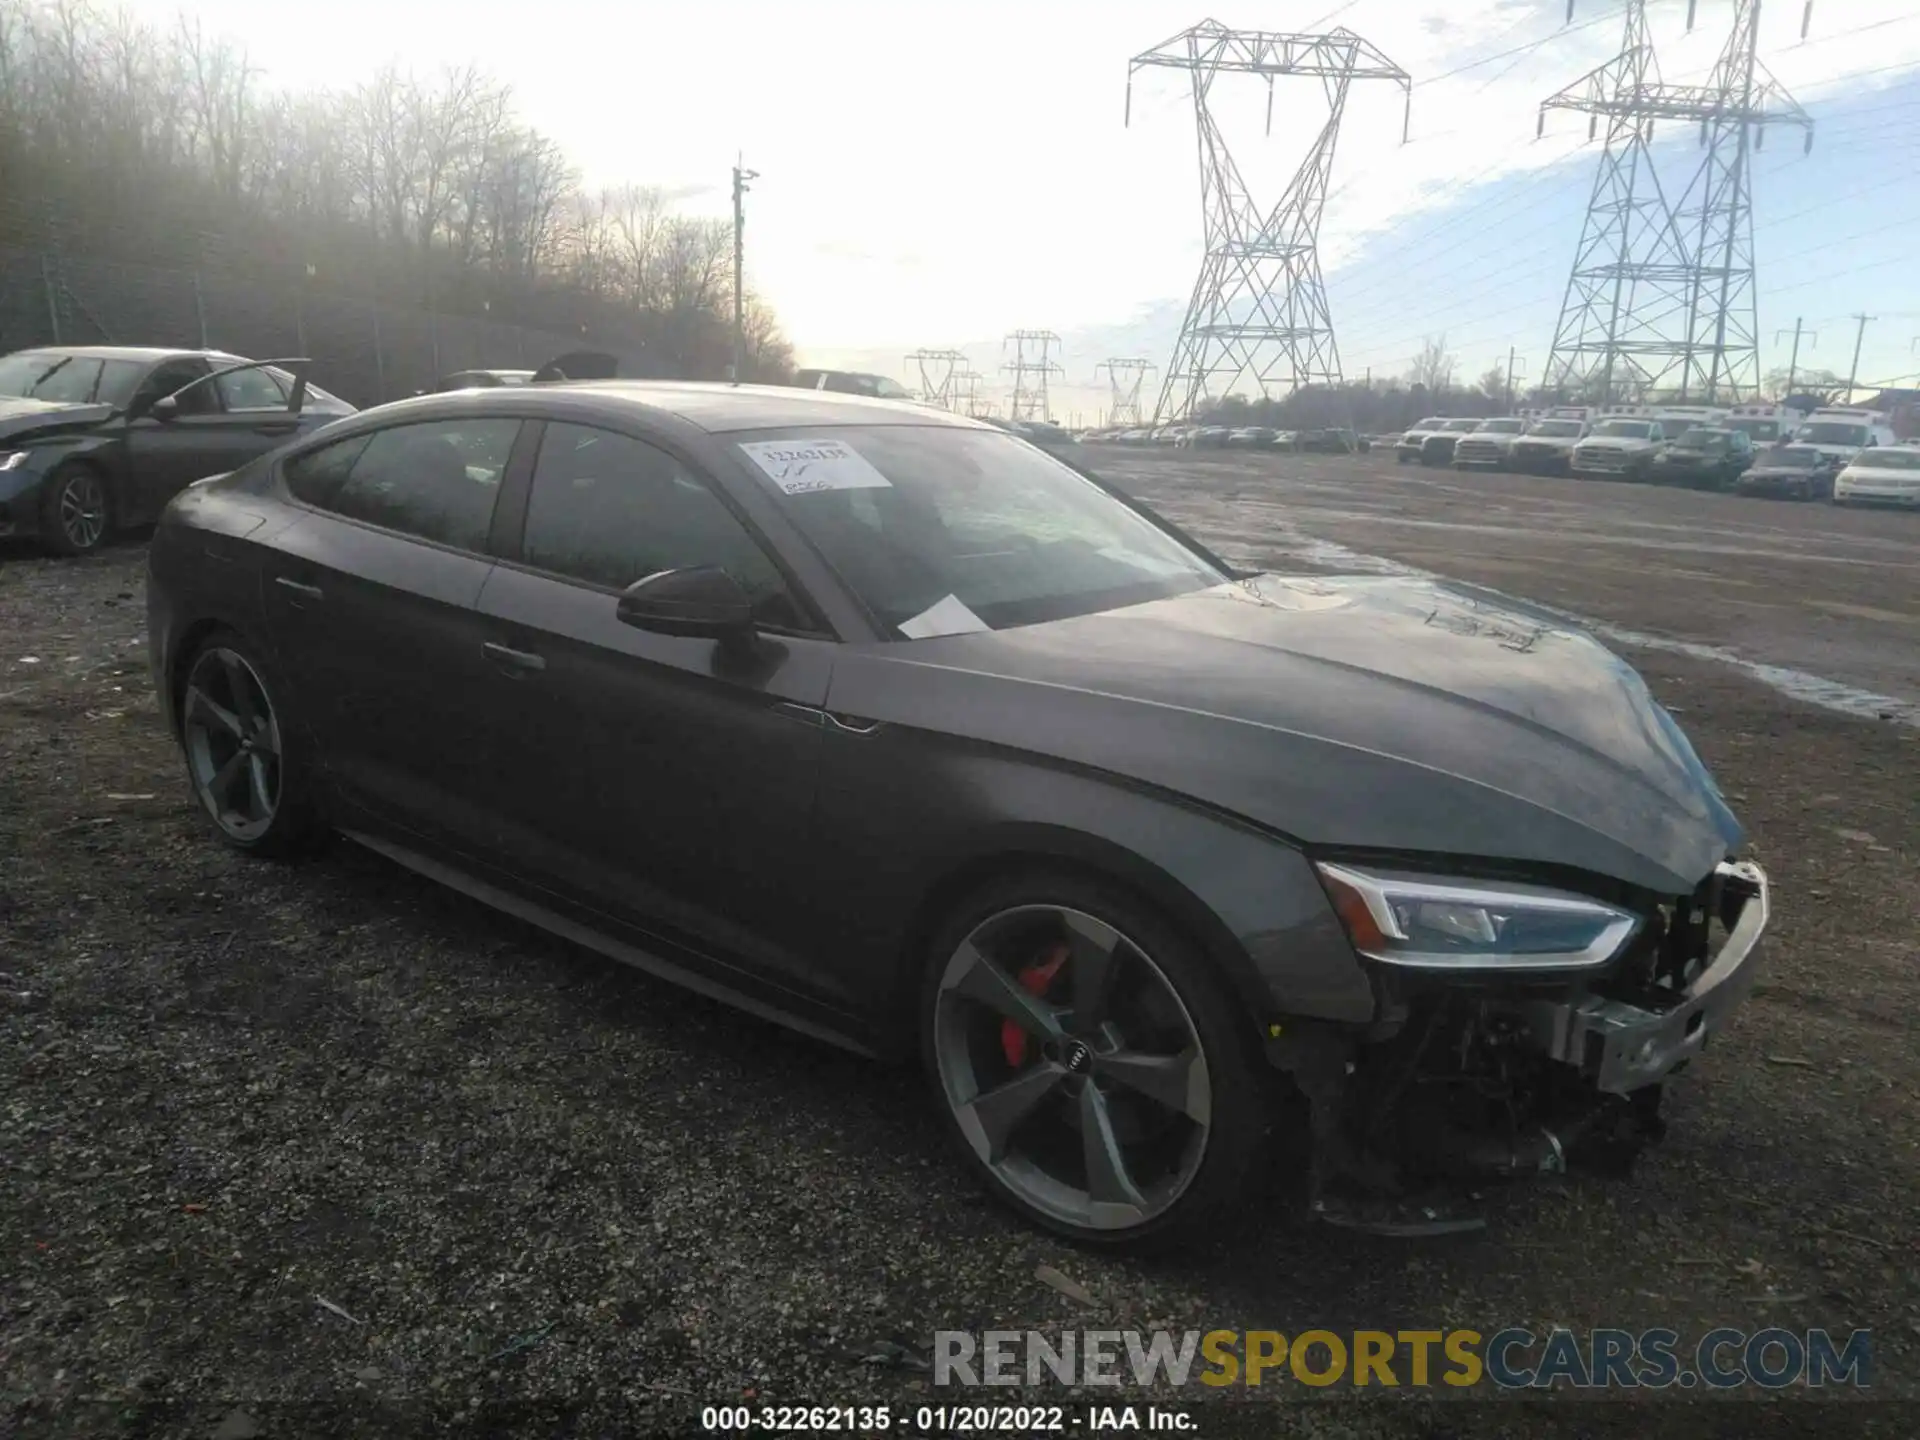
[(1704, 440), (1624, 429), (1793, 455), (1503, 427), (1556, 427), (1461, 425), (1889, 457), (941, 530), (1832, 432), (1760, 430), (39, 374), (1433, 424)]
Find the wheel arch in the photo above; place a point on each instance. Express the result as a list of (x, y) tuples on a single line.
[(1017, 848)]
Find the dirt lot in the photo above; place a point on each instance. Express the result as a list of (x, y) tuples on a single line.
[(329, 1147)]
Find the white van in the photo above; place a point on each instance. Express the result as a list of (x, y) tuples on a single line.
[(1841, 433)]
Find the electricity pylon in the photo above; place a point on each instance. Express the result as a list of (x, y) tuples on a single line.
[(938, 370), (1123, 380), (1661, 298), (1031, 368), (967, 393), (1259, 309)]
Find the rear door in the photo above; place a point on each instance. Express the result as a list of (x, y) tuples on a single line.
[(371, 597), (664, 782)]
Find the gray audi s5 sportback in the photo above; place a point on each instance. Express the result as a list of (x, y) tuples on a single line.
[(899, 729)]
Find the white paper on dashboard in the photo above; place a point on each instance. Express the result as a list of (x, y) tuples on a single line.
[(944, 617), (803, 467)]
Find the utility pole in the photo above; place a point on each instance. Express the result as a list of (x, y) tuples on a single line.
[(1793, 356), (1859, 336), (741, 175), (1510, 350)]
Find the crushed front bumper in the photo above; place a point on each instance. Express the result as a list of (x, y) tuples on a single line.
[(1621, 1047)]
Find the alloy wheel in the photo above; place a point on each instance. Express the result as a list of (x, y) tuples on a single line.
[(233, 744), (1072, 1067), (83, 510)]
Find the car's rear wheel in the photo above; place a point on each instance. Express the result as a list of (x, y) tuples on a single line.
[(76, 515), (247, 767), (1090, 1063)]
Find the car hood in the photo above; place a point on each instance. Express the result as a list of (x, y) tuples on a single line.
[(23, 419), (1347, 713), (1617, 442), (1557, 441)]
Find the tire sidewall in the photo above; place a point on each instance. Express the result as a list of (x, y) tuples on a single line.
[(53, 535), (1241, 1110), (295, 827)]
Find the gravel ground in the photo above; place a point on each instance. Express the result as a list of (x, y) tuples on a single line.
[(329, 1148)]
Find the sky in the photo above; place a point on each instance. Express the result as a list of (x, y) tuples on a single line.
[(937, 175)]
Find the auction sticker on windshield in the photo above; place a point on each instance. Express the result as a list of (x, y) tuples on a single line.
[(802, 467)]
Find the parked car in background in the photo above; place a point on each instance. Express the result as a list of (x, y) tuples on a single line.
[(1880, 475), (1436, 447), (99, 438), (1489, 446), (852, 382), (1550, 440), (1765, 424), (1791, 472), (1330, 441), (576, 365), (1707, 457), (1412, 445), (1253, 437), (1618, 447), (1841, 433), (880, 723)]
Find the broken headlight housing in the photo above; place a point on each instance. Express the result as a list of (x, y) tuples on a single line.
[(1436, 922)]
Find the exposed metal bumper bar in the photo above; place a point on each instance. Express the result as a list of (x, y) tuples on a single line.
[(1623, 1047)]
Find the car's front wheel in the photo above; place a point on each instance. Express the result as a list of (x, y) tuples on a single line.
[(1090, 1063), (246, 764), (76, 514)]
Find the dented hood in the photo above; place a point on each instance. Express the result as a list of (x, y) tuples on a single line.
[(23, 419), (1378, 714)]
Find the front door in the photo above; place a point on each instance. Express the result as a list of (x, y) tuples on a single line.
[(371, 599), (664, 782)]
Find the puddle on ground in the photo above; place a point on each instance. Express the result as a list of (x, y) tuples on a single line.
[(1795, 684)]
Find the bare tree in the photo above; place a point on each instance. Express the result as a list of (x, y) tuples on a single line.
[(1493, 384), (1433, 366)]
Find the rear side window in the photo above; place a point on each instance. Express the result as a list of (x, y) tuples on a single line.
[(437, 480)]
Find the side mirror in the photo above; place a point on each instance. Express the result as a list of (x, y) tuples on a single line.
[(167, 407), (701, 602)]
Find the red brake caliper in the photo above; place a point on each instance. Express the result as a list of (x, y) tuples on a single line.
[(1035, 978)]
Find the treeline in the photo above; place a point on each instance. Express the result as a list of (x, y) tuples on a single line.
[(1377, 409), (163, 145)]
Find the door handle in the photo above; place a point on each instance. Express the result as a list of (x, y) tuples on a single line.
[(299, 587), (512, 659)]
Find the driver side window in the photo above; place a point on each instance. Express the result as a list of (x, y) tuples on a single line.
[(169, 375), (609, 509)]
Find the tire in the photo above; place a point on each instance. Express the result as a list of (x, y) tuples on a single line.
[(1192, 1156), (76, 512), (248, 767)]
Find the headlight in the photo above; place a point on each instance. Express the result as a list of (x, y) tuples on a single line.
[(14, 460), (1438, 923)]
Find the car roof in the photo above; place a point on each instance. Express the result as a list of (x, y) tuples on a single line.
[(143, 353), (716, 407)]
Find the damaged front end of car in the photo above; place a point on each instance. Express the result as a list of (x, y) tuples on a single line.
[(1522, 1029)]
